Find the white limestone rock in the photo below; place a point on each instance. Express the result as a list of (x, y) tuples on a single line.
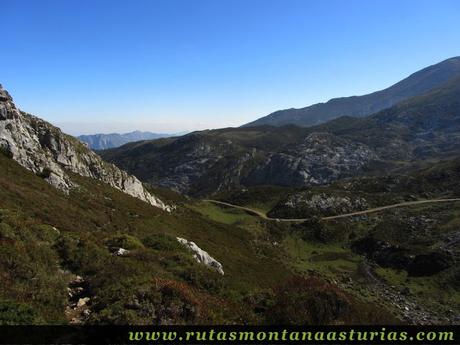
[(327, 204), (202, 256), (121, 252), (82, 302), (45, 150)]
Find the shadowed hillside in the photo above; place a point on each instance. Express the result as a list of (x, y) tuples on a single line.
[(404, 137), (360, 106)]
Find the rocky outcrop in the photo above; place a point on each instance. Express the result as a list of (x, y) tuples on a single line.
[(319, 159), (45, 150), (307, 203), (388, 255), (203, 163), (206, 162), (121, 252), (201, 256), (78, 308)]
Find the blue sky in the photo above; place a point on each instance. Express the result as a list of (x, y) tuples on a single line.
[(174, 65)]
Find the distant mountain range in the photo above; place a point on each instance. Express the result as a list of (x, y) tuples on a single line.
[(360, 106), (107, 141)]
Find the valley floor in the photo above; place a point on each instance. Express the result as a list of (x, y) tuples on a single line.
[(418, 300), (345, 215), (48, 238)]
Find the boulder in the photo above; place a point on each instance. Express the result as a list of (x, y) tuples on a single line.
[(121, 252), (202, 256), (82, 302)]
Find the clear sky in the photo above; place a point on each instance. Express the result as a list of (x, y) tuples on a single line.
[(174, 65)]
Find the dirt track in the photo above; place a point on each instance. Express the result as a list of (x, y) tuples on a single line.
[(358, 213)]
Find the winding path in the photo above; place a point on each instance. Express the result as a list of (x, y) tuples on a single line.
[(345, 215)]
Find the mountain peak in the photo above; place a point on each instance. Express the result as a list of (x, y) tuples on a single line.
[(416, 84)]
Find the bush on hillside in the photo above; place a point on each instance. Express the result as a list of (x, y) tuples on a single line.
[(12, 313), (124, 241), (162, 242), (308, 301)]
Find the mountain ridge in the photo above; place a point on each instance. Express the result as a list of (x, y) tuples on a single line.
[(400, 266), (202, 163), (417, 83)]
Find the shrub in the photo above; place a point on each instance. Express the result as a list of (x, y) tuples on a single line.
[(308, 301), (12, 313), (6, 152), (312, 230), (261, 301), (177, 302), (124, 241), (178, 262), (81, 255), (203, 278), (162, 242), (6, 231), (454, 278), (46, 233), (163, 302), (45, 173), (314, 301)]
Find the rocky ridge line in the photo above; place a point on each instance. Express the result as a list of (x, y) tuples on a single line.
[(45, 150)]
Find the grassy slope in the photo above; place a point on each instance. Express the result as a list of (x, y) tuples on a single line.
[(333, 259), (418, 229), (158, 281), (96, 212)]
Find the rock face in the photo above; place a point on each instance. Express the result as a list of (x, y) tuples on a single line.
[(320, 158), (214, 161), (387, 255), (45, 150), (302, 204), (201, 256)]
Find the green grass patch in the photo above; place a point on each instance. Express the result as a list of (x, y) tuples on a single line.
[(326, 259), (225, 215)]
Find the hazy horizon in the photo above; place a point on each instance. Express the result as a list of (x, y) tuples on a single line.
[(174, 66), (93, 128)]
